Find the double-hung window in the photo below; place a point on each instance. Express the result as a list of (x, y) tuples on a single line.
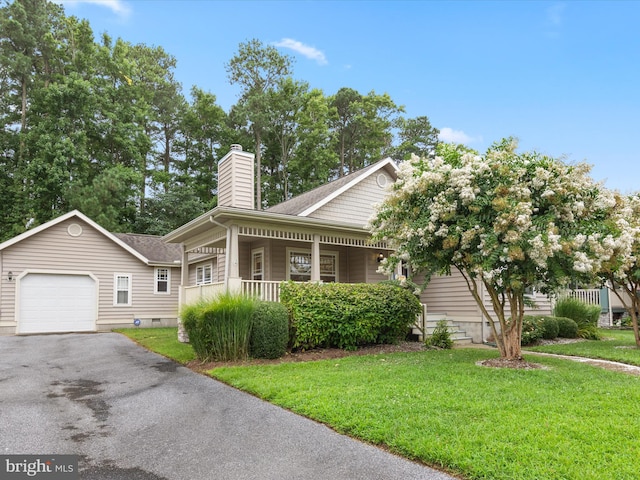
[(300, 266), (203, 274), (122, 289), (162, 281)]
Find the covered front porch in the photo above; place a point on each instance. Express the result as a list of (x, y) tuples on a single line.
[(252, 252)]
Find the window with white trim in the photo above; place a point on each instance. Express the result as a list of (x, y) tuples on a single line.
[(203, 274), (163, 280), (300, 266), (122, 289), (257, 264)]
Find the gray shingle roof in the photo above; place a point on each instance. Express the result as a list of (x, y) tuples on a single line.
[(152, 247), (297, 205)]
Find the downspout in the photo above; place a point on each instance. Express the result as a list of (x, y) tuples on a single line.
[(227, 257)]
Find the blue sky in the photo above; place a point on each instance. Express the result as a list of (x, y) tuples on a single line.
[(563, 77)]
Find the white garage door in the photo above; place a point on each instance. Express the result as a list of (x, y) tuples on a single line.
[(57, 303)]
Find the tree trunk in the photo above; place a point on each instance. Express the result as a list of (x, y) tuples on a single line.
[(258, 169), (511, 348), (633, 312)]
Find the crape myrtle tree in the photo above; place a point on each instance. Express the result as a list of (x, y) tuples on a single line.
[(623, 269), (507, 221)]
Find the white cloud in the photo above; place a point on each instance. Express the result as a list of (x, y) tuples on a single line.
[(450, 135), (119, 7), (309, 52)]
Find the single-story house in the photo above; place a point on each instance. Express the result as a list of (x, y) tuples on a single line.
[(320, 235), (71, 275)]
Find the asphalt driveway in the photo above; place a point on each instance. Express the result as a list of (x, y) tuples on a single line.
[(132, 414)]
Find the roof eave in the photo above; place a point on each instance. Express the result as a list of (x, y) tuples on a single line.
[(381, 164)]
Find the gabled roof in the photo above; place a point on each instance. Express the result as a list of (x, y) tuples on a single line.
[(152, 247), (305, 204), (296, 211), (131, 246)]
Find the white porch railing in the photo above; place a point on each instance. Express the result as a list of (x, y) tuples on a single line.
[(588, 296), (197, 292), (264, 290), (269, 291)]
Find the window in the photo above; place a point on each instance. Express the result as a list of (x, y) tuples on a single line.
[(257, 264), (122, 289), (203, 274), (300, 266), (162, 280)]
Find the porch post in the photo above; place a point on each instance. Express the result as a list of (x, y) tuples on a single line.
[(315, 258), (183, 337), (234, 284)]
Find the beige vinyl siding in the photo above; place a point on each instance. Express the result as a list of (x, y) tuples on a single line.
[(211, 261), (54, 250), (356, 204), (358, 265), (449, 294), (372, 268), (235, 175)]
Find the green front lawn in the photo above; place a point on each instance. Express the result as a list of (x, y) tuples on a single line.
[(616, 345), (161, 340), (571, 421)]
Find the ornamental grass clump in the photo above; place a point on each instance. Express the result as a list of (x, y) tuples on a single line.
[(586, 316), (220, 329)]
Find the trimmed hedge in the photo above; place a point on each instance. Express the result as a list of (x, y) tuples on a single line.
[(269, 330), (550, 327), (347, 315), (567, 327)]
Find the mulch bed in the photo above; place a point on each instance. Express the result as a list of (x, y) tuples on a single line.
[(313, 355)]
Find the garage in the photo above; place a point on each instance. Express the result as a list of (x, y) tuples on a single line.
[(51, 303)]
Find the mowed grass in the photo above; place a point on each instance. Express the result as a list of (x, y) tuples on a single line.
[(570, 421), (161, 340), (616, 345)]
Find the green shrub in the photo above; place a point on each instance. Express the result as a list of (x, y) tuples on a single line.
[(347, 315), (586, 316), (567, 327), (219, 329), (550, 327), (440, 338), (269, 330), (532, 330)]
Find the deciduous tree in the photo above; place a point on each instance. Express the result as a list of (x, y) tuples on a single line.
[(507, 221)]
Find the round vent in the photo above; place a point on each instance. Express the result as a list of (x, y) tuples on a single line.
[(74, 230), (381, 179)]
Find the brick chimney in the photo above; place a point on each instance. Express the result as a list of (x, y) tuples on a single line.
[(236, 183)]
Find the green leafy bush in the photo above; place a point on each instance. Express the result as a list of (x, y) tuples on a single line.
[(269, 330), (219, 329), (567, 327), (586, 316), (440, 338), (550, 327), (347, 315), (532, 329)]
